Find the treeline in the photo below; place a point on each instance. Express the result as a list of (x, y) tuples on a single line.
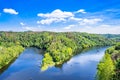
[(109, 67), (58, 47)]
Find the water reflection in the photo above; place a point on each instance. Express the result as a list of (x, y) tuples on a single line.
[(86, 58)]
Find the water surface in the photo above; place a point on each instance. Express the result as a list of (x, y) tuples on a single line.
[(80, 67)]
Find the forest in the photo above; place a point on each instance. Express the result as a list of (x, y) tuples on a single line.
[(109, 66), (58, 46)]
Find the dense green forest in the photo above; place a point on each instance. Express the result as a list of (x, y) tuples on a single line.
[(58, 47), (109, 66)]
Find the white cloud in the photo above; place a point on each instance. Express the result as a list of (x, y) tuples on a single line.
[(97, 22), (75, 19), (22, 24), (69, 27), (81, 11), (55, 16), (90, 21), (50, 20), (86, 21), (10, 11), (63, 16)]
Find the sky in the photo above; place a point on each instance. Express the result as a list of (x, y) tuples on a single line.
[(91, 16)]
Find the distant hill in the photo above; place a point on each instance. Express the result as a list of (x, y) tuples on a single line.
[(112, 36)]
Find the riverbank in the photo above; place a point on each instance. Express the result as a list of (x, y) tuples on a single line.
[(7, 54), (109, 66)]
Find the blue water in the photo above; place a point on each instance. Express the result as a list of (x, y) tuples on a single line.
[(80, 67)]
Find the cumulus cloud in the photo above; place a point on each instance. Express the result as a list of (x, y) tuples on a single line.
[(10, 11), (96, 22), (66, 17), (55, 16)]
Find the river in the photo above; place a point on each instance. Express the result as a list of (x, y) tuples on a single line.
[(82, 66)]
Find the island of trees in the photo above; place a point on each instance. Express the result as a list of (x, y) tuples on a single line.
[(58, 47)]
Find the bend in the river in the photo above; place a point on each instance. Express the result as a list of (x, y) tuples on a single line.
[(80, 67)]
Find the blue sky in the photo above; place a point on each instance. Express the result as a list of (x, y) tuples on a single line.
[(92, 16)]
